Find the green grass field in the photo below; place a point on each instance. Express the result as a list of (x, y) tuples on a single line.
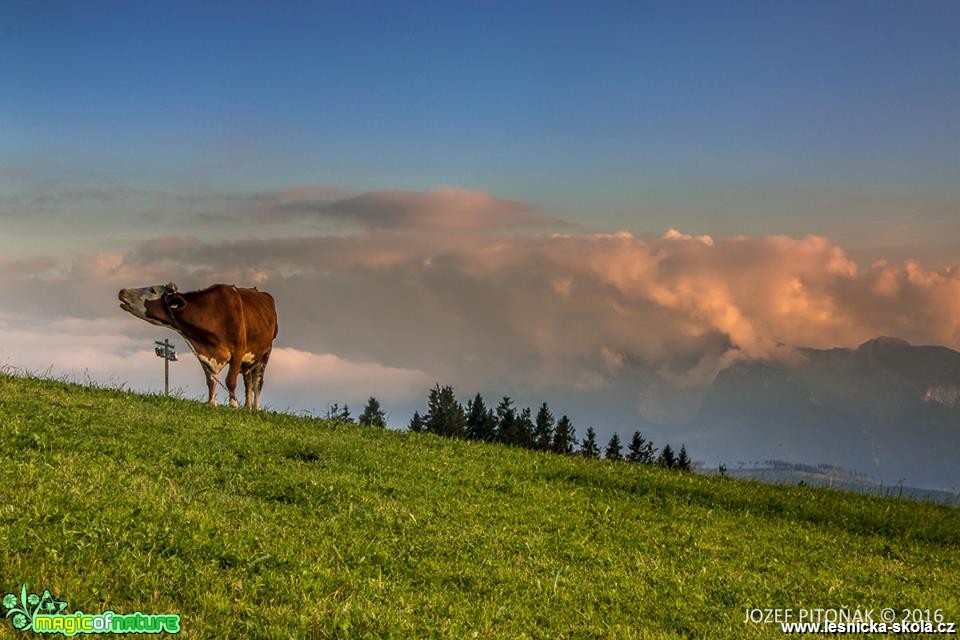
[(275, 526)]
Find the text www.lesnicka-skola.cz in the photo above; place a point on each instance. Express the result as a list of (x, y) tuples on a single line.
[(869, 627), (858, 620)]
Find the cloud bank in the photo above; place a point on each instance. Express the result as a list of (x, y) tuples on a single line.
[(463, 287), (100, 351)]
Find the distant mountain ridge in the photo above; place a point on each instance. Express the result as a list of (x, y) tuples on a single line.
[(887, 408)]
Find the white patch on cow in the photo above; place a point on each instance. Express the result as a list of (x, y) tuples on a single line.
[(138, 308), (248, 358), (212, 364)]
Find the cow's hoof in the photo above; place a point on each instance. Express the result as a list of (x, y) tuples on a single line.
[(233, 403)]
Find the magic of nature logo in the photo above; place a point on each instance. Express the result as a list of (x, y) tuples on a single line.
[(44, 613)]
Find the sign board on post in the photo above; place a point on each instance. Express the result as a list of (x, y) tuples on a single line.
[(166, 351)]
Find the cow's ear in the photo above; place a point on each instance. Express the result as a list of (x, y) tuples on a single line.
[(171, 287), (176, 302)]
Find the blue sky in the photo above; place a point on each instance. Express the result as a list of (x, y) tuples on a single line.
[(722, 119)]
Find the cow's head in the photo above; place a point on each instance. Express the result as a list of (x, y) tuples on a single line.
[(153, 304)]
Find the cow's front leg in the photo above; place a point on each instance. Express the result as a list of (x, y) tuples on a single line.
[(211, 368), (211, 387), (232, 374)]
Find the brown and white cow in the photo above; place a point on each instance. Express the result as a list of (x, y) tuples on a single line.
[(224, 324)]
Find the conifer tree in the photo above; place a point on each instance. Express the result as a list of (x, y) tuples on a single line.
[(416, 423), (373, 415), (445, 416), (614, 449), (336, 412), (564, 437), (490, 428), (641, 450), (525, 429), (667, 458), (543, 430), (635, 448), (506, 421), (589, 448), (683, 460), (481, 424)]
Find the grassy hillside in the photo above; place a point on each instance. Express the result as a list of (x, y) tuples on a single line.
[(274, 526)]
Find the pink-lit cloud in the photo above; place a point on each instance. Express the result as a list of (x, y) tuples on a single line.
[(450, 208)]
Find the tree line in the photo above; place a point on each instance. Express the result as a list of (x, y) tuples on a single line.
[(508, 424)]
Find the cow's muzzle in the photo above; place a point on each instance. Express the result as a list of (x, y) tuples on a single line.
[(124, 297)]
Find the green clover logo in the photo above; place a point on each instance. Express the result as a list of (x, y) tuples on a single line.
[(24, 608)]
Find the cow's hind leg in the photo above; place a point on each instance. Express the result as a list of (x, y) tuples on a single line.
[(249, 384), (232, 374), (257, 385), (259, 370)]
